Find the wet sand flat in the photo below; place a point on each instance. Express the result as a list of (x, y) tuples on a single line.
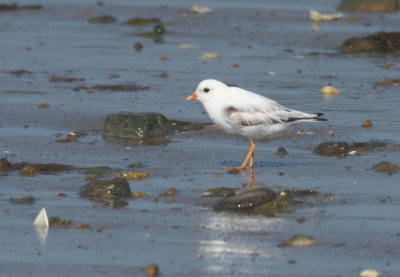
[(268, 48)]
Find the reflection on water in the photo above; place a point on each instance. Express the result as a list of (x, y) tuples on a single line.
[(131, 142)]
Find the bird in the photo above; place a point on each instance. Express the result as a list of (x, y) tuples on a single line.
[(242, 112)]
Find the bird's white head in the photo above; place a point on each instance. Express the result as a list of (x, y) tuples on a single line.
[(206, 89)]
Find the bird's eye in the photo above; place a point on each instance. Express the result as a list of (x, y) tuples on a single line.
[(206, 90)]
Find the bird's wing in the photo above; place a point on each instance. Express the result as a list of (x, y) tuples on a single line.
[(249, 109)]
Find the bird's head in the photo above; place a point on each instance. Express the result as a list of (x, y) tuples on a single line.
[(206, 89)]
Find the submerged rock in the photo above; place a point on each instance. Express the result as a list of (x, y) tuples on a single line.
[(383, 42), (103, 19), (282, 205), (140, 21), (103, 190), (137, 125), (368, 5), (386, 167), (331, 148), (246, 201), (27, 200)]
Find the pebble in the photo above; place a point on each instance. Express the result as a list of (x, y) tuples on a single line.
[(370, 273)]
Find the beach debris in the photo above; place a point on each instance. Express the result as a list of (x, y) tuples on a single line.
[(381, 42), (301, 241), (317, 16), (103, 19), (209, 56), (41, 219), (367, 123), (200, 9), (370, 273), (329, 90)]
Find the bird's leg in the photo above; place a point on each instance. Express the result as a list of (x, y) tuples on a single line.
[(252, 148), (248, 160)]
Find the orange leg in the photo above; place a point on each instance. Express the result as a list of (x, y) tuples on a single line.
[(249, 160)]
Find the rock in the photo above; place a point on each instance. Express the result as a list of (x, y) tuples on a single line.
[(99, 171), (4, 164), (139, 21), (329, 90), (330, 148), (368, 5), (27, 200), (138, 47), (58, 222), (219, 192), (245, 201), (386, 167), (370, 273), (383, 42), (152, 270), (294, 192), (301, 241), (103, 19), (103, 190), (281, 151), (137, 125), (169, 192), (367, 123), (132, 175), (282, 205)]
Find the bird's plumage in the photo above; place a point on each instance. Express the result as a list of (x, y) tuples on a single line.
[(246, 113)]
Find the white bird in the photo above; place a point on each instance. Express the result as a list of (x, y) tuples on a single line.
[(239, 111)]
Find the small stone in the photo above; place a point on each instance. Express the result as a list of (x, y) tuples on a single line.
[(329, 90), (386, 167), (281, 151), (139, 21), (301, 241), (28, 171), (185, 46), (152, 270), (138, 47), (209, 56), (330, 133), (370, 273), (131, 175), (169, 192), (164, 58), (367, 123), (43, 105)]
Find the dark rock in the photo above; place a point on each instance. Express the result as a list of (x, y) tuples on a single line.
[(246, 201), (368, 5), (281, 151), (386, 167), (337, 149), (137, 125), (58, 222), (103, 19), (27, 200), (139, 21), (219, 192), (282, 205), (383, 42), (103, 190), (169, 192)]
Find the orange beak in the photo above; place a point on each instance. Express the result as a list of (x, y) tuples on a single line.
[(191, 97)]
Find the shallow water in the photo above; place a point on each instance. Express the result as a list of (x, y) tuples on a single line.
[(355, 229)]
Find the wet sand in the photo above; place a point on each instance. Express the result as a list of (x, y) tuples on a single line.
[(279, 56)]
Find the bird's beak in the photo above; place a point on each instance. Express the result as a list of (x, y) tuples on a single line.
[(191, 97)]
